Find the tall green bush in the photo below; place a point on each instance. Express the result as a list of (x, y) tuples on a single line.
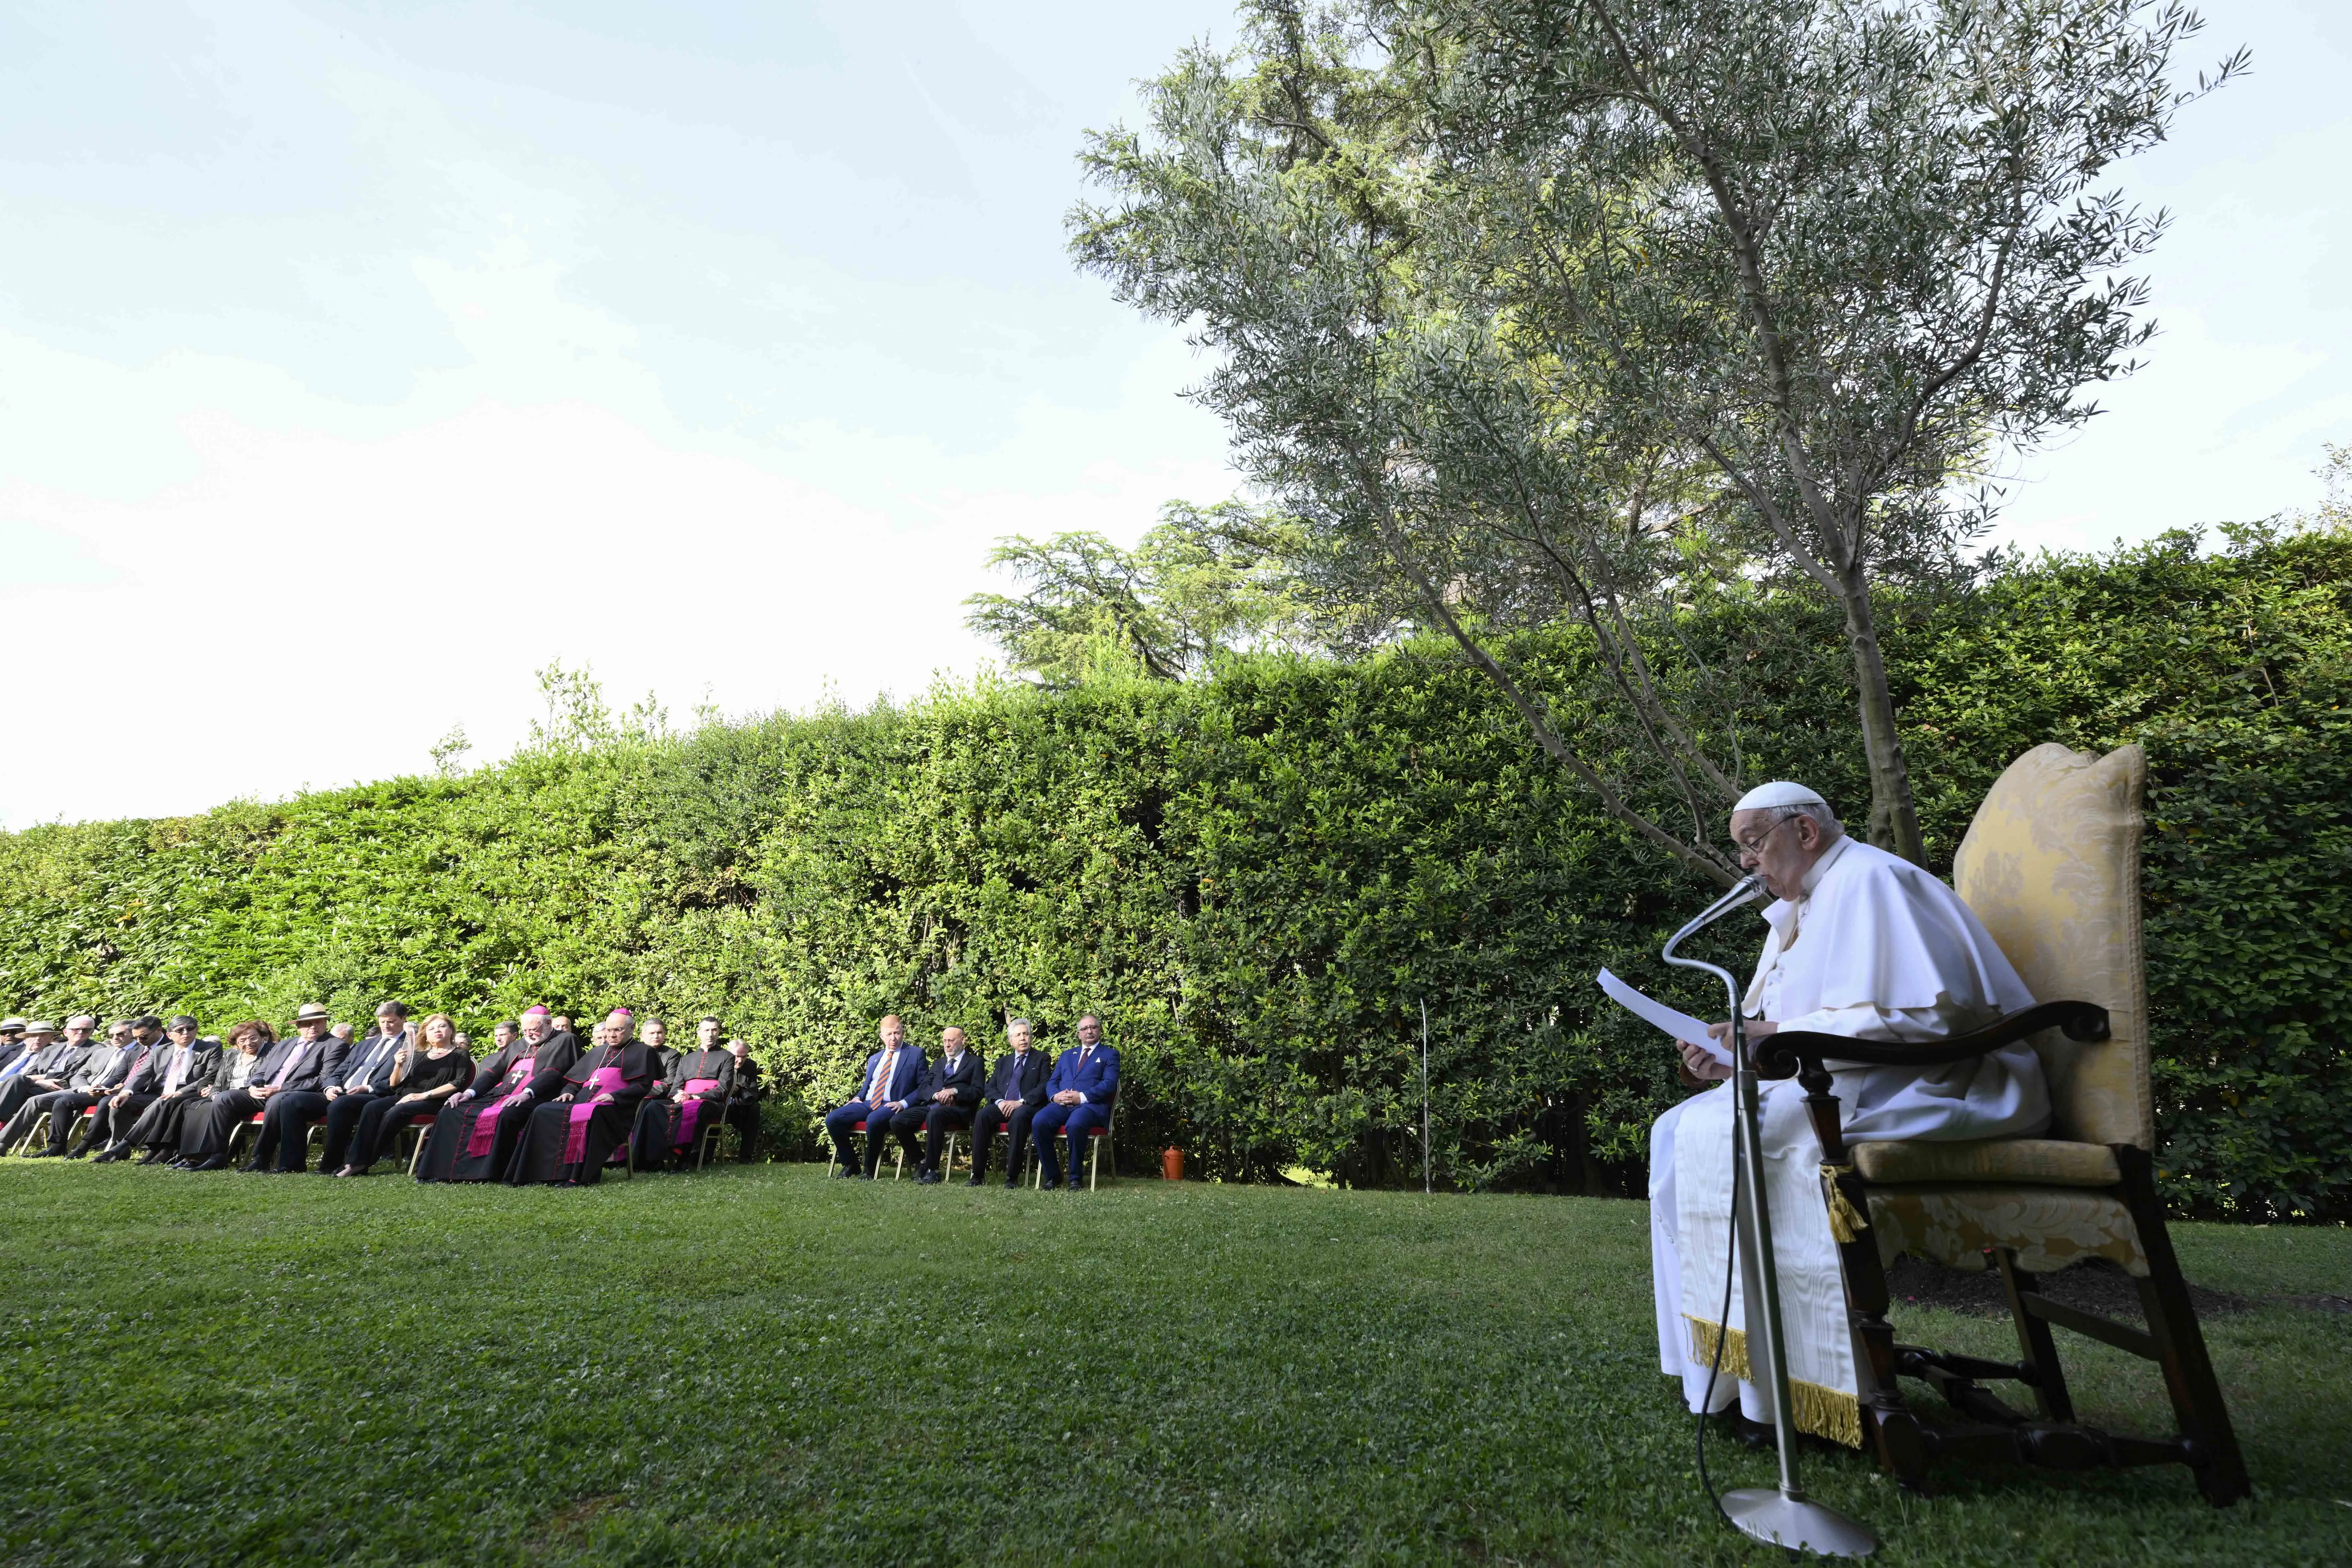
[(1259, 879)]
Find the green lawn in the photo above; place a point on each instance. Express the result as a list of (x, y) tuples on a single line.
[(760, 1366)]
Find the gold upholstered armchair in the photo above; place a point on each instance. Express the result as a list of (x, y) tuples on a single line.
[(2050, 865)]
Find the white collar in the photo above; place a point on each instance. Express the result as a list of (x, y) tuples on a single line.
[(1814, 873)]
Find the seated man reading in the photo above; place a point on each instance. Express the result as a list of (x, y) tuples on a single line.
[(1858, 942)]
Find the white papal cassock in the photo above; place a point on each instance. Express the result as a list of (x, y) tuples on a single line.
[(1876, 948)]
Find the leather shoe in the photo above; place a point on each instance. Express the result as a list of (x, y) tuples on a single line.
[(1049, 1186), (46, 1154), (109, 1156), (249, 1169), (846, 1174), (216, 1163), (156, 1157), (977, 1181)]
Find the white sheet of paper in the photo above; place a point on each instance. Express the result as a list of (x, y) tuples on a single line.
[(1677, 1025)]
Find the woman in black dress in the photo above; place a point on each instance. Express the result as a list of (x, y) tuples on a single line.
[(428, 1070)]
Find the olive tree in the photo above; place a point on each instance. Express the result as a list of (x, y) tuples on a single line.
[(1597, 309)]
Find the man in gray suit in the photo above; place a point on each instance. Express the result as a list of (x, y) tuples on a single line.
[(48, 1065), (179, 1065), (102, 1070)]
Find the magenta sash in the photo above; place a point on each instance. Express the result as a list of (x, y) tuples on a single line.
[(486, 1121), (603, 1080), (689, 1111)]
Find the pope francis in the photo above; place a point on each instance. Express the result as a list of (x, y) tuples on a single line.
[(1857, 942)]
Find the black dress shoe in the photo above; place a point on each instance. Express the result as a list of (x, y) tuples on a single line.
[(1049, 1186), (846, 1174), (216, 1163), (156, 1157), (249, 1168), (46, 1154), (977, 1181), (109, 1156)]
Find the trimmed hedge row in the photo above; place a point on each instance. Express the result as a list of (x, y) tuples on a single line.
[(1261, 878)]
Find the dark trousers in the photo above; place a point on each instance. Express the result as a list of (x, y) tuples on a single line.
[(286, 1121), (1047, 1126), (61, 1106), (379, 1121), (934, 1121), (839, 1124), (210, 1125), (743, 1115), (171, 1118), (113, 1122), (15, 1091), (343, 1113), (983, 1133)]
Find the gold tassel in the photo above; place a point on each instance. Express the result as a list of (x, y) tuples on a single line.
[(1829, 1412), (1846, 1222)]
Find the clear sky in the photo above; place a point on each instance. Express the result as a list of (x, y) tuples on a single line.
[(356, 361)]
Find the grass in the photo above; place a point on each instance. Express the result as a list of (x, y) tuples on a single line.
[(758, 1365)]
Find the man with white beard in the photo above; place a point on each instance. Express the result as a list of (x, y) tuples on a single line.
[(1858, 942)]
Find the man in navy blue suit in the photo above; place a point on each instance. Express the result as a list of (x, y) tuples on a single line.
[(885, 1089), (1077, 1098)]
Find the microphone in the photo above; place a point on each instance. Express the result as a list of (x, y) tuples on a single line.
[(1743, 891)]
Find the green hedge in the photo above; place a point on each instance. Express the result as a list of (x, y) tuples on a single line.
[(1259, 879)]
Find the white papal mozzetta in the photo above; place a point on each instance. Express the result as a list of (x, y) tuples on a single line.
[(1858, 942)]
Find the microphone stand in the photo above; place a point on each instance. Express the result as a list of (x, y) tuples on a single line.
[(1781, 1516)]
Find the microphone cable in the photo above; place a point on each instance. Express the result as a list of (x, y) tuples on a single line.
[(1722, 1338)]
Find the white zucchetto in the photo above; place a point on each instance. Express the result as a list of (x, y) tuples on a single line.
[(1779, 791)]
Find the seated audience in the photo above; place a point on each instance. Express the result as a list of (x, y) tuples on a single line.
[(47, 1062), (288, 1067), (103, 1071), (355, 1073), (174, 1124), (363, 1075), (889, 1080), (1014, 1092), (743, 1103), (176, 1068), (944, 1103), (474, 1138), (1078, 1098), (12, 1040), (574, 1131), (691, 1096), (656, 1035), (430, 1068)]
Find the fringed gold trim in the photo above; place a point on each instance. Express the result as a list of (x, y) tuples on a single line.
[(1825, 1411), (1829, 1412), (1846, 1222), (1735, 1349)]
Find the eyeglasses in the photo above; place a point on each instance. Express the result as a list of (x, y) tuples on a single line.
[(1754, 845)]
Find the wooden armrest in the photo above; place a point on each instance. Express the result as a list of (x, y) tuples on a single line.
[(1781, 1054)]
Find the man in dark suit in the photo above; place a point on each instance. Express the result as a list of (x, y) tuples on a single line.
[(360, 1071), (290, 1066), (743, 1102), (1078, 1097), (884, 1089), (99, 1073), (12, 1040), (179, 1065), (942, 1102), (47, 1063), (1015, 1090)]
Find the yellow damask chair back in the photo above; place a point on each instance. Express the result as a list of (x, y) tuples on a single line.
[(2051, 864)]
